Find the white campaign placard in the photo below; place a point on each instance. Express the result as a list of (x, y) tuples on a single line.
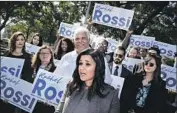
[(117, 83), (168, 74), (17, 92), (112, 44), (57, 62), (112, 16), (11, 66), (130, 62), (141, 41), (32, 49), (67, 30), (48, 87), (167, 50)]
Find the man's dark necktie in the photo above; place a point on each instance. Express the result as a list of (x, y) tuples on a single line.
[(116, 71)]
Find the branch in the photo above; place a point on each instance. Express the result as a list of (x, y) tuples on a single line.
[(150, 17)]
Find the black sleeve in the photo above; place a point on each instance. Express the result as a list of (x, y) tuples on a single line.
[(27, 69)]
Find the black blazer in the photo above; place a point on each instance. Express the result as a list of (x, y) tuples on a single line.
[(124, 73), (156, 98), (27, 69), (26, 75)]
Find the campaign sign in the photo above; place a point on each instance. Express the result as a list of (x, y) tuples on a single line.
[(17, 92), (67, 30), (48, 87), (168, 74), (117, 83), (141, 41), (167, 50), (11, 66), (130, 62), (112, 16), (56, 62), (32, 49), (112, 44)]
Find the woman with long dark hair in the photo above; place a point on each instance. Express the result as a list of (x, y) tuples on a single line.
[(64, 46), (146, 92), (88, 93), (37, 40), (17, 50), (43, 59)]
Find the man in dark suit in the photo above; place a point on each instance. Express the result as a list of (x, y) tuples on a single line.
[(117, 68)]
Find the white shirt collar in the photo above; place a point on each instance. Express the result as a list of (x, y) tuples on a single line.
[(119, 70)]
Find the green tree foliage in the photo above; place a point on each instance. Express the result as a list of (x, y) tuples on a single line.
[(156, 18)]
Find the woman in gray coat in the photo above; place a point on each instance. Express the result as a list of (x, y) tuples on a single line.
[(87, 93)]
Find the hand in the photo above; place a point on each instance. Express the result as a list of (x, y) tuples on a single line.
[(129, 32), (171, 91), (5, 101)]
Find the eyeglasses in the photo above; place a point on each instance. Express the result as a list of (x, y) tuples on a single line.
[(44, 53), (150, 64), (118, 55)]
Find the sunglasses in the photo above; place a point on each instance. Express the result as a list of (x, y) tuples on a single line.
[(150, 64)]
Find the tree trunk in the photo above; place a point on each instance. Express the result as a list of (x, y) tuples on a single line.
[(5, 21), (27, 32)]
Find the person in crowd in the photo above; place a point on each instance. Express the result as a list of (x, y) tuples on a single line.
[(102, 45), (138, 68), (64, 46), (58, 38), (146, 93), (154, 50), (17, 50), (118, 69), (88, 92), (133, 53), (81, 42), (37, 40), (172, 99), (143, 53), (43, 59)]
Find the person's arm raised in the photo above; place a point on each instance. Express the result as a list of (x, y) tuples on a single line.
[(126, 40)]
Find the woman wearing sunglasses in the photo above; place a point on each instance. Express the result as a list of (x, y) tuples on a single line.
[(146, 92)]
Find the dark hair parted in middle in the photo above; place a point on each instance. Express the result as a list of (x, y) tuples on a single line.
[(157, 71), (13, 40), (59, 51), (98, 82), (40, 39)]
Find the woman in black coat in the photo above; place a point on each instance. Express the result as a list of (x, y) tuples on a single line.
[(17, 50), (145, 92)]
